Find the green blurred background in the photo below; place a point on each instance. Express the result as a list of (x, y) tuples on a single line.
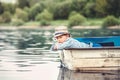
[(102, 13)]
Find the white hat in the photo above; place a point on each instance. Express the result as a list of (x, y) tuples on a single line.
[(60, 31)]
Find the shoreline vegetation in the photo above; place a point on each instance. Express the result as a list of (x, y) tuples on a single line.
[(89, 24), (53, 27)]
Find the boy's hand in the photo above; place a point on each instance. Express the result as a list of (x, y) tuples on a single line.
[(55, 47)]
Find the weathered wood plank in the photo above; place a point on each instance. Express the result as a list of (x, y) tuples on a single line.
[(93, 59)]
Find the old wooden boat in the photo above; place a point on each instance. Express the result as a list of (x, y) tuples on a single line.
[(97, 58)]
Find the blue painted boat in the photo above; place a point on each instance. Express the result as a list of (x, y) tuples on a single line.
[(109, 41)]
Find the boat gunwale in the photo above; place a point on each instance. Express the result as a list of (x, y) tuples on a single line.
[(95, 48)]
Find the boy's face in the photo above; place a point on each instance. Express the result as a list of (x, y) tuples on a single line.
[(62, 38)]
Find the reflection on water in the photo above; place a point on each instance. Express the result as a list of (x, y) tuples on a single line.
[(24, 55), (14, 66), (23, 58), (65, 74)]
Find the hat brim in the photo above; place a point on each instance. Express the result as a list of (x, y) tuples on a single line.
[(59, 34)]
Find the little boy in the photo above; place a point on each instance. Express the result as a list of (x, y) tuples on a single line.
[(64, 41)]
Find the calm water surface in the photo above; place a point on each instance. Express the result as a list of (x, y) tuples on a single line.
[(14, 66), (23, 58)]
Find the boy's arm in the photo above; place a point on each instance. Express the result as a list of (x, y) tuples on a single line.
[(60, 46), (64, 45)]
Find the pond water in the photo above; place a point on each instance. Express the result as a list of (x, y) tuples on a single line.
[(14, 66), (23, 58), (25, 55)]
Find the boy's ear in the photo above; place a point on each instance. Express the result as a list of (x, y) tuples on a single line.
[(68, 35)]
